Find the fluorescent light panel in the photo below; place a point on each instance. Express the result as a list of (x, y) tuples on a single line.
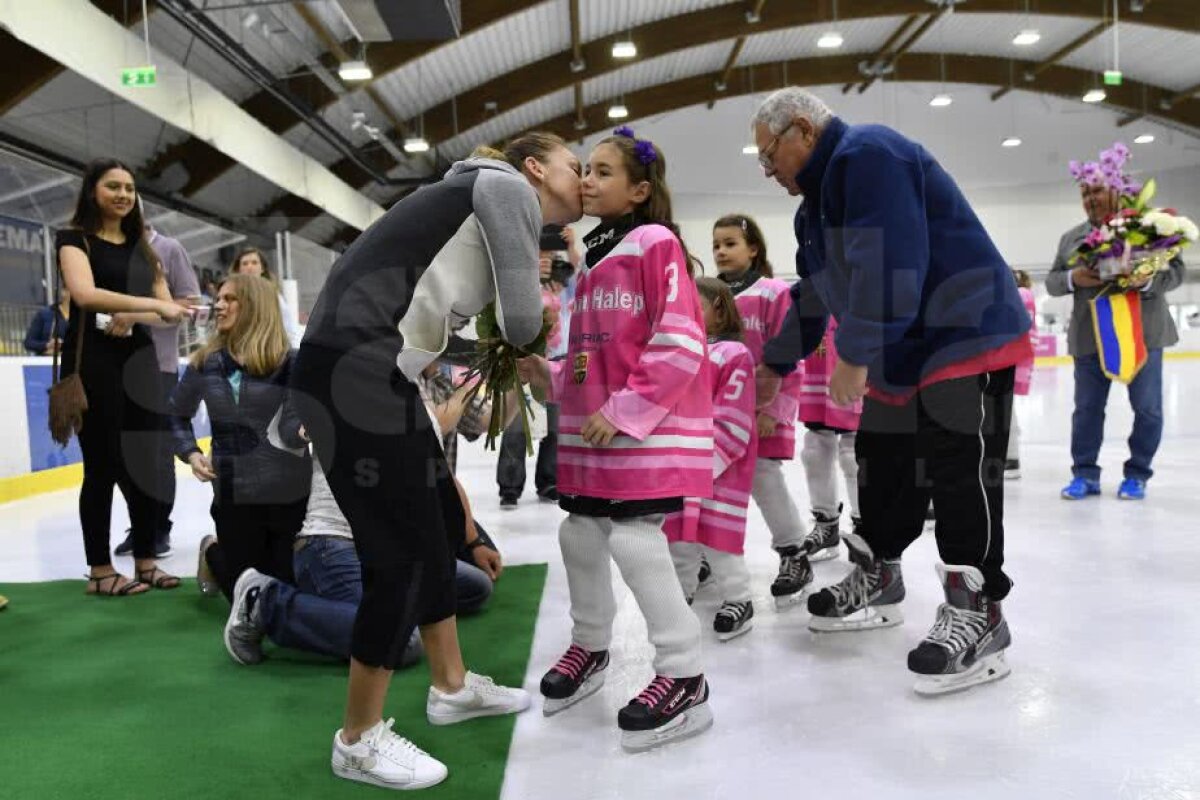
[(355, 71)]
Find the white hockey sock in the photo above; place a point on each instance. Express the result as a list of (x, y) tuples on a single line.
[(584, 544), (819, 456), (775, 502), (639, 547), (732, 576), (849, 463)]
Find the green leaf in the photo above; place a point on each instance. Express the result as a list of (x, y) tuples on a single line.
[(1146, 194)]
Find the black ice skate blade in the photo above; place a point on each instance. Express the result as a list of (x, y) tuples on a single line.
[(986, 670), (552, 706), (872, 618), (731, 635), (693, 722)]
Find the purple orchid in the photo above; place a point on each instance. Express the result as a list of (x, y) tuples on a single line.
[(624, 130)]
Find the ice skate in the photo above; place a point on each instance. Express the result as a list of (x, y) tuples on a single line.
[(966, 645), (821, 543), (668, 710), (577, 675), (733, 619), (795, 574), (867, 598)]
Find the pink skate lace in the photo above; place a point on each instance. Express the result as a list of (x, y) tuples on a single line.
[(572, 662), (653, 694)]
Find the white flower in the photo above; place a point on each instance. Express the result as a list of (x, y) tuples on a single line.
[(1188, 229), (1166, 225)]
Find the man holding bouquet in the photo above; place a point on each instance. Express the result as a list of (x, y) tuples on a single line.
[(1101, 196)]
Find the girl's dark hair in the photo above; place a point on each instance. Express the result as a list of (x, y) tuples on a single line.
[(1022, 279), (536, 144), (656, 208), (235, 267), (718, 293), (87, 217), (753, 236)]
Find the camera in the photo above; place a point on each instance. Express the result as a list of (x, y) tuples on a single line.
[(561, 271), (551, 238)]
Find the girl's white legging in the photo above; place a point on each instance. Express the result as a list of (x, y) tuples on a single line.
[(821, 455), (728, 570), (638, 546), (771, 494)]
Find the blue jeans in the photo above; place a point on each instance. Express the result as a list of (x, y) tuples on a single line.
[(1087, 423), (317, 614)]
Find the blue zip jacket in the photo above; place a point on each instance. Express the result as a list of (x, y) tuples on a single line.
[(250, 468), (889, 245)]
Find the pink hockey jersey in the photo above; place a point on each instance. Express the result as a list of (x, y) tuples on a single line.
[(1025, 367), (815, 404), (636, 352), (763, 306), (720, 522)]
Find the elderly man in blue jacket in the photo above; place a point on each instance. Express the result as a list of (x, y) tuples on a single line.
[(930, 328)]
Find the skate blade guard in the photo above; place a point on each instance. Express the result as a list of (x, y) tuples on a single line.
[(551, 706), (693, 722), (985, 670), (867, 619)]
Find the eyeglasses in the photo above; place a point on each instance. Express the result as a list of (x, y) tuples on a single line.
[(766, 158)]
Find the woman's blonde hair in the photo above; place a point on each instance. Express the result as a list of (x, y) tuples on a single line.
[(258, 340)]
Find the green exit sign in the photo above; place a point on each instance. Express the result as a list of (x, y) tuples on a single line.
[(139, 76), (1112, 77)]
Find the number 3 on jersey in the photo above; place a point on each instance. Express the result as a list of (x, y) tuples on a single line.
[(673, 281), (737, 384)]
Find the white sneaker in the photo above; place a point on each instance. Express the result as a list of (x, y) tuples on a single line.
[(479, 697), (383, 758)]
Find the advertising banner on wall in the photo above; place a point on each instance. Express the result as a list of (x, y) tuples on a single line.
[(22, 262)]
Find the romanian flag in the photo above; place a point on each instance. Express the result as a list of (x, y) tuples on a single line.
[(1117, 318)]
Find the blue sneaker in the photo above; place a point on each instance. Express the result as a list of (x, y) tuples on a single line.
[(1080, 488), (1132, 489)]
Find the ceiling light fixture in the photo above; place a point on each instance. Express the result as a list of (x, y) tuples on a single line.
[(618, 111), (355, 71), (1145, 138), (1011, 141), (624, 49), (416, 144), (750, 150), (1094, 96), (1026, 38), (830, 40), (941, 100)]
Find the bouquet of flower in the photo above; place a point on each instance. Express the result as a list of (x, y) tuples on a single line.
[(493, 370), (1136, 240)]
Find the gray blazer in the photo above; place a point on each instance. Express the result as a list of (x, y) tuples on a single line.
[(1157, 325)]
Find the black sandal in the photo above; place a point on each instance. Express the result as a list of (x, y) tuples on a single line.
[(157, 578), (128, 589)]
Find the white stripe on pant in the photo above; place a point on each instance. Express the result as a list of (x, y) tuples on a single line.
[(589, 546), (775, 502), (822, 452), (729, 570)]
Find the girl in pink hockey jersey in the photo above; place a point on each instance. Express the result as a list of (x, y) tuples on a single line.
[(829, 436), (716, 528), (635, 438), (1012, 463), (740, 253)]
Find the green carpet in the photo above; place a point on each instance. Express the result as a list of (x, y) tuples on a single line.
[(136, 697)]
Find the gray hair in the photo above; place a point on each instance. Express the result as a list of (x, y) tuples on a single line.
[(778, 110)]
